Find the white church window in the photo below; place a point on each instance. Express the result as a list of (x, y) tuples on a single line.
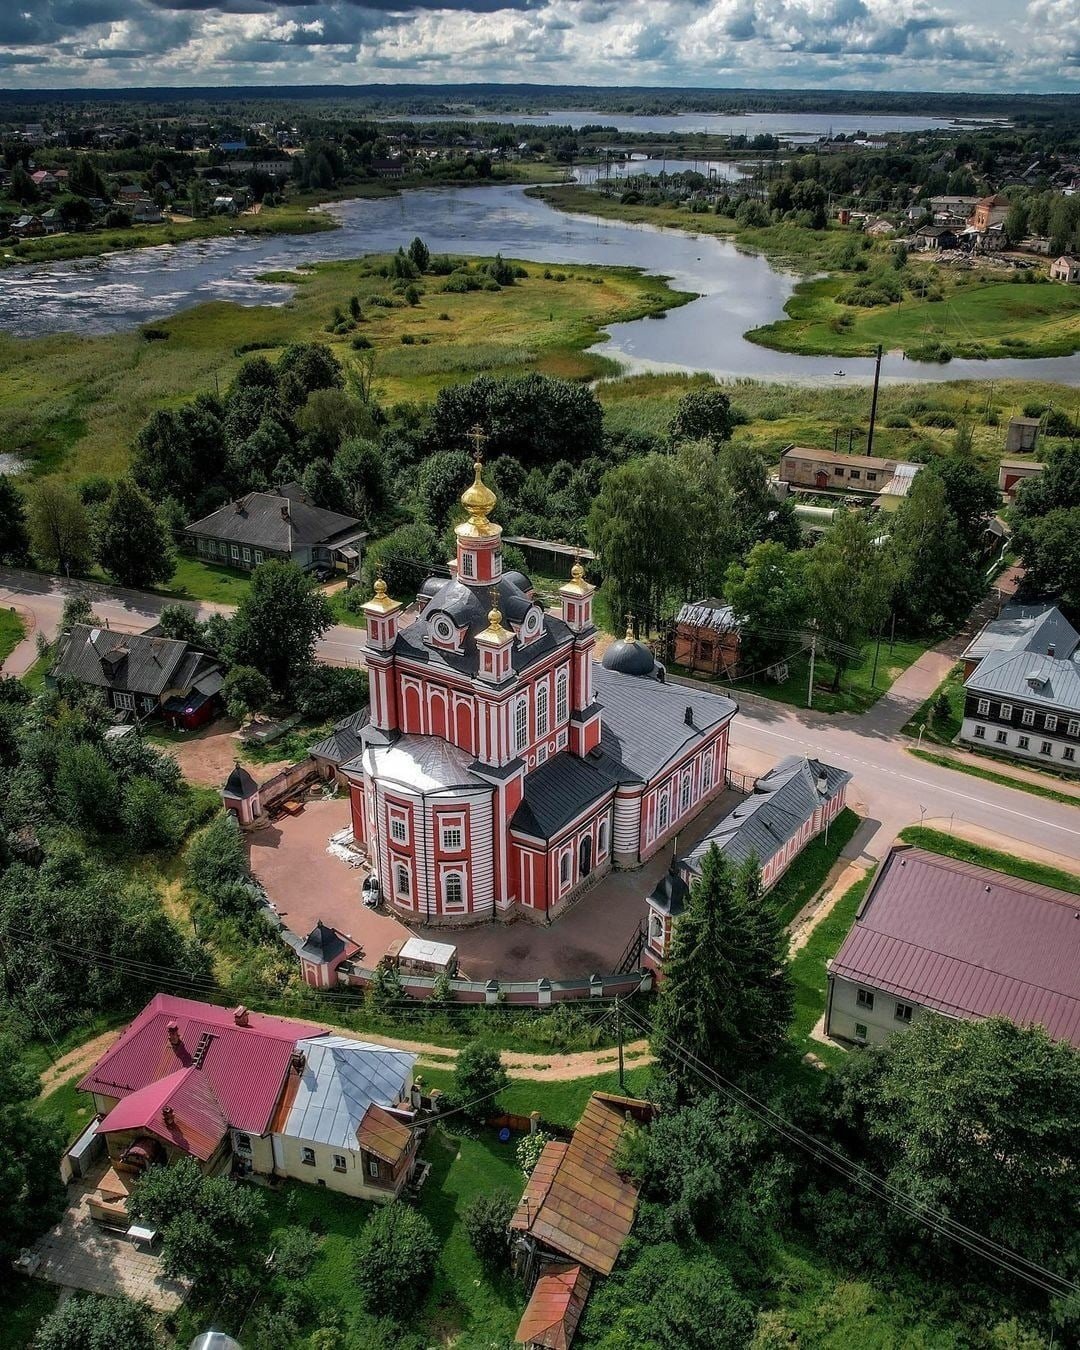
[(687, 786), (451, 838), (521, 725), (468, 564), (404, 888), (601, 839), (662, 814), (564, 870), (399, 830), (541, 710), (706, 773), (562, 699), (453, 890)]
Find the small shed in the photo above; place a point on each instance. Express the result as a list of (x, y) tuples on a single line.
[(240, 795), (706, 638), (1022, 437), (427, 958)]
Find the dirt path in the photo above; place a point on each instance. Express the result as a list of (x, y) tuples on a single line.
[(76, 1061)]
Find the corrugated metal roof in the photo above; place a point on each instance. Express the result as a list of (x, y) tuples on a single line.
[(1029, 678), (554, 1309), (341, 1079), (708, 614), (384, 1135), (644, 725), (783, 800), (136, 663), (968, 942), (1025, 628), (181, 1109), (275, 522), (587, 1209), (246, 1065)]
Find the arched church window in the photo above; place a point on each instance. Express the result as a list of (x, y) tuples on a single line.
[(662, 815), (541, 710), (684, 802), (562, 697), (564, 870), (403, 883), (521, 725), (453, 890)]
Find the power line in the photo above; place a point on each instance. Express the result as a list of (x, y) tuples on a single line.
[(1004, 1257)]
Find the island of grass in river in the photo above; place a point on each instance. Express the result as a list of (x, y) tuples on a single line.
[(74, 405)]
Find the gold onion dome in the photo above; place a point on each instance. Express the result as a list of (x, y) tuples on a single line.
[(380, 600), (494, 632), (577, 585), (479, 500)]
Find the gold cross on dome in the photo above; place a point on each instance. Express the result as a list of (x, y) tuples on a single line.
[(479, 439)]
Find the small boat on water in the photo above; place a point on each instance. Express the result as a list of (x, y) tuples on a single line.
[(838, 372)]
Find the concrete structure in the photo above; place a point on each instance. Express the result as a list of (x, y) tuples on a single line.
[(502, 769), (1066, 268), (824, 470), (282, 525), (936, 935)]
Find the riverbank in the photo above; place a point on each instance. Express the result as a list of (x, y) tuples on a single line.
[(73, 405)]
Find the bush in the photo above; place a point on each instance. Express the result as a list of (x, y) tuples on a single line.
[(331, 692), (395, 1259), (93, 1322), (246, 691), (529, 1149), (216, 857), (149, 816), (479, 1077), (487, 1224), (897, 420)]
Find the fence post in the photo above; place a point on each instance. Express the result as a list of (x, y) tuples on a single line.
[(534, 1122)]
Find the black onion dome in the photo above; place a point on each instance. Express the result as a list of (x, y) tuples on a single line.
[(628, 657)]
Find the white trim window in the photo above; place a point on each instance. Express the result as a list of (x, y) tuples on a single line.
[(307, 1157), (1003, 738), (453, 891), (601, 840), (468, 563), (399, 828), (562, 696), (542, 709), (1069, 754), (687, 793), (1046, 748), (1050, 722), (1028, 717), (662, 812), (258, 556), (402, 881), (706, 773), (125, 701), (235, 552), (564, 870), (341, 1163), (1074, 727), (521, 725), (984, 707), (453, 838), (1005, 711), (980, 731), (247, 554)]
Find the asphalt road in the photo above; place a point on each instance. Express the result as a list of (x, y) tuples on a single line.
[(890, 786)]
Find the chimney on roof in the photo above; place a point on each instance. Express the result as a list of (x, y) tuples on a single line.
[(174, 1033), (1050, 649), (689, 716), (168, 1115), (298, 1060), (238, 507), (285, 512), (240, 1016), (822, 782)]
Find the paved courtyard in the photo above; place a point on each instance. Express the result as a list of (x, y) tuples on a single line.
[(307, 884), (80, 1254)]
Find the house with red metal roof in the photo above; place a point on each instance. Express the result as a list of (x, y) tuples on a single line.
[(938, 935), (573, 1218), (262, 1094)]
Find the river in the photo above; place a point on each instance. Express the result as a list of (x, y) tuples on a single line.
[(737, 290)]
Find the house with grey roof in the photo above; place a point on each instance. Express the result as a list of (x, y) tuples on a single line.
[(342, 745), (790, 805), (935, 935), (1022, 687), (140, 674), (282, 525)]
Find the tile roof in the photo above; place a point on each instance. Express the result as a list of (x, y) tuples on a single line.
[(782, 801), (245, 1065), (344, 741), (1025, 628), (275, 522), (129, 662), (341, 1079), (581, 1207), (180, 1109), (968, 942), (1045, 681), (644, 725), (554, 1309)]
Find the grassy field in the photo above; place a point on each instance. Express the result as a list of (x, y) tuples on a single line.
[(938, 842), (979, 316), (810, 976), (73, 405), (807, 874), (195, 580), (12, 632), (559, 1101)]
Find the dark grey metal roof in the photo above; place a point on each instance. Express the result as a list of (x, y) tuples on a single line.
[(630, 658), (562, 789), (670, 893), (240, 783), (1025, 628), (1029, 678), (783, 800), (343, 743), (275, 522), (129, 662), (644, 721), (322, 944)]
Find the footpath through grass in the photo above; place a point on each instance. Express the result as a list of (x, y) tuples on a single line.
[(12, 632), (810, 976), (936, 841)]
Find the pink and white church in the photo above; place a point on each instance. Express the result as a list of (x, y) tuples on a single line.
[(503, 767)]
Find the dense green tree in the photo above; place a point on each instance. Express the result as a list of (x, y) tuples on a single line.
[(326, 693), (14, 538), (304, 367), (148, 815), (31, 1192), (1057, 486), (216, 857), (178, 452), (935, 577), (59, 527), (203, 1220), (403, 559), (849, 583), (132, 544), (278, 623), (443, 477), (329, 417), (487, 1226), (971, 495), (726, 997), (537, 419), (322, 485), (768, 597), (479, 1077), (246, 691), (182, 623), (251, 463), (1049, 548), (419, 254), (702, 415), (94, 1322), (639, 531), (977, 1119), (87, 788), (362, 472), (395, 1259)]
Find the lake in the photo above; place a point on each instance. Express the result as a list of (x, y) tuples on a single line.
[(737, 290), (791, 127)]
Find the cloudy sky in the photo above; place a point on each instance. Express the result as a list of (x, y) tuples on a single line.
[(978, 45)]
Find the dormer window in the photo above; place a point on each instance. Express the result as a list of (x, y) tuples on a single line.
[(442, 631), (531, 625)]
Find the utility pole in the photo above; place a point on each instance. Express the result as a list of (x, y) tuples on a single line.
[(619, 1036), (813, 654), (873, 402)]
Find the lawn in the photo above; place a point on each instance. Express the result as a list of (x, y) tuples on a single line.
[(810, 976), (1001, 779), (807, 874), (980, 316), (342, 614), (559, 1101), (195, 580), (12, 632), (941, 726), (951, 847), (75, 1109), (73, 405)]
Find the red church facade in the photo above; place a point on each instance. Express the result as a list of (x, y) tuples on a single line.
[(502, 767)]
